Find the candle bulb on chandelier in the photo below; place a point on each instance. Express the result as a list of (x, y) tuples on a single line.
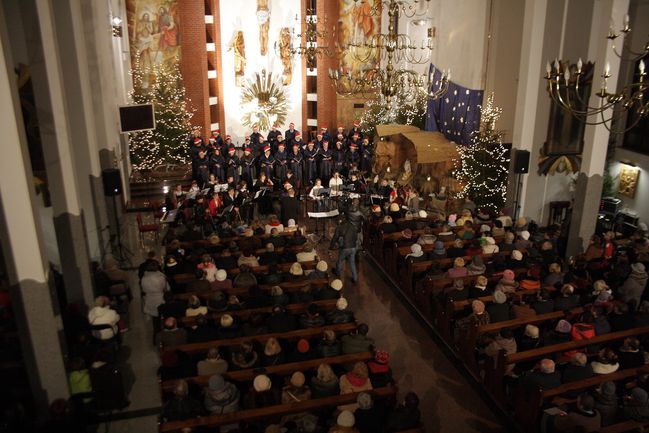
[(556, 64), (641, 67), (607, 70), (579, 65), (626, 22), (566, 75), (548, 69)]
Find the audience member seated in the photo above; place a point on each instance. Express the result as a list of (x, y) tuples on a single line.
[(102, 314), (635, 406), (583, 418), (308, 254), (499, 310), (281, 321), (380, 373), (244, 357), (171, 335), (458, 270), (245, 279), (405, 415), (606, 362), (344, 423), (357, 341), (544, 376), (273, 354), (182, 406), (248, 258), (324, 383), (341, 314), (312, 317), (202, 331), (221, 396), (228, 328), (212, 364), (577, 368), (356, 380), (320, 271)]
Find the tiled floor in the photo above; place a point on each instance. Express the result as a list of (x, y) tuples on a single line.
[(448, 403)]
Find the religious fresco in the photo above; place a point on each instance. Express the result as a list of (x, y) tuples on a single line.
[(153, 34), (359, 22)]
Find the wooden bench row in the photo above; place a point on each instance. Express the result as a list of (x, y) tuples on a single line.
[(287, 287)]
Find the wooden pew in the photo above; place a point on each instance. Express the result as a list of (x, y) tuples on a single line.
[(529, 405), (429, 287), (469, 337), (194, 348), (324, 305), (626, 427), (287, 287), (273, 412), (167, 386), (495, 368)]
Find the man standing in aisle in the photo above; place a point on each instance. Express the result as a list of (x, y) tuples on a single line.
[(345, 238)]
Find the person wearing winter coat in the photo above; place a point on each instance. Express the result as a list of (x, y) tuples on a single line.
[(634, 285), (102, 314), (221, 396), (324, 383), (356, 380), (154, 284)]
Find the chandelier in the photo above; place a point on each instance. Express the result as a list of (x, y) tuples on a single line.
[(390, 49), (312, 30), (569, 87)]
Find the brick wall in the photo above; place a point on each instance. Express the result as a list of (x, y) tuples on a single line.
[(327, 100), (193, 63)]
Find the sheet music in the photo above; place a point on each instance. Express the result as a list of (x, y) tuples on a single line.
[(169, 216), (328, 214)]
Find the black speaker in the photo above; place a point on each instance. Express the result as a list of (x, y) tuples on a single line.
[(112, 182), (521, 161)]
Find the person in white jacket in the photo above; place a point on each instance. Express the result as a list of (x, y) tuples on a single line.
[(102, 314), (154, 284)]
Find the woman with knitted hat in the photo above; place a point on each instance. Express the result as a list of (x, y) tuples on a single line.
[(320, 271), (344, 423), (221, 396), (476, 267), (379, 369), (273, 353), (295, 391), (324, 383), (490, 246), (262, 393), (356, 380), (329, 345), (458, 270), (479, 288)]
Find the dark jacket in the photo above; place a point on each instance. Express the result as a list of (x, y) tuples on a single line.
[(402, 418), (345, 236), (281, 322), (573, 373), (499, 312), (542, 380)]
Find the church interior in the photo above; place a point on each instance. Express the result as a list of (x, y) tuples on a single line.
[(312, 216)]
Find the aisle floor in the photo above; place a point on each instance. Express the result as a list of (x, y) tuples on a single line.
[(448, 403)]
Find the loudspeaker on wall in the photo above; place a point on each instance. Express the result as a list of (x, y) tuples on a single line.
[(521, 161), (112, 182)]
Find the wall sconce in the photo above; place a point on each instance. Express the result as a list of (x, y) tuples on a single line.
[(116, 23)]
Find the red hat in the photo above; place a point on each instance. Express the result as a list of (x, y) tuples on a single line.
[(352, 146), (231, 149), (303, 345), (324, 128), (291, 124), (266, 148), (298, 133), (312, 142), (296, 145), (197, 140), (355, 134), (381, 356), (376, 208), (357, 123), (319, 134), (275, 126), (325, 141), (247, 149), (228, 137)]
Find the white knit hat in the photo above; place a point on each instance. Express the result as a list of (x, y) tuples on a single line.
[(322, 266), (221, 275), (346, 419), (261, 383), (341, 304), (226, 320), (337, 285)]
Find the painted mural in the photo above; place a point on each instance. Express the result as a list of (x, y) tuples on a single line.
[(359, 22), (153, 27)]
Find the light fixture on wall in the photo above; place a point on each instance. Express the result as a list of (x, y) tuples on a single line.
[(116, 24), (569, 86), (387, 80)]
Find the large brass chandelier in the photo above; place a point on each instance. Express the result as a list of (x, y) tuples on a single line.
[(569, 87), (313, 29), (390, 77)]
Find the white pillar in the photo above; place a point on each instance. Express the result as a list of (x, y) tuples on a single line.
[(39, 325)]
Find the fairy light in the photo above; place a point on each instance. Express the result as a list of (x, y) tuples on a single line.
[(167, 143), (482, 168), (378, 112)]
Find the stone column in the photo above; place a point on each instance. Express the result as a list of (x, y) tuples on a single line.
[(590, 180), (54, 101), (33, 298)]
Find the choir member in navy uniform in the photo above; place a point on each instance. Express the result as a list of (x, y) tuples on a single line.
[(298, 139), (310, 154), (326, 162), (202, 169), (366, 156), (227, 144), (254, 137), (217, 137), (266, 162), (281, 162), (258, 146), (290, 133), (325, 133), (340, 133), (246, 143), (196, 133), (273, 137), (355, 130), (338, 157), (353, 157), (296, 162), (248, 166), (356, 139), (232, 162), (217, 165), (211, 145), (197, 147), (319, 138)]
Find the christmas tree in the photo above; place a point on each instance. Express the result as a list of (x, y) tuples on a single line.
[(167, 143), (483, 167)]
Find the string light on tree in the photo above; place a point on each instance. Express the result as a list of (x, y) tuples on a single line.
[(482, 169), (167, 143)]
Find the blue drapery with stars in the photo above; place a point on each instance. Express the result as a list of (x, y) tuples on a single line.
[(456, 113)]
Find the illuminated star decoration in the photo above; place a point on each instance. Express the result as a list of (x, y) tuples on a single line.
[(483, 168)]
